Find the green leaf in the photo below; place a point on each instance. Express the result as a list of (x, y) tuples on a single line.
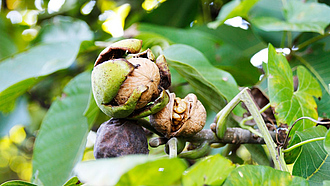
[(262, 175), (21, 72), (207, 80), (180, 86), (61, 140), (313, 162), (289, 104), (233, 9), (223, 47), (212, 170), (108, 171), (258, 154), (201, 41), (326, 182), (92, 110), (327, 142), (267, 8), (151, 39), (64, 29), (233, 55), (159, 172), (317, 63), (7, 46), (61, 39), (299, 16), (167, 13), (291, 156), (17, 183), (74, 181)]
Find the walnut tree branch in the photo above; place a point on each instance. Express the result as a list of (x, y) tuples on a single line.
[(232, 136)]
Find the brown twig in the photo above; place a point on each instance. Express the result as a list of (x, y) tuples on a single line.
[(232, 136)]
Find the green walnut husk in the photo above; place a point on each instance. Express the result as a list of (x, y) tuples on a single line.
[(128, 84)]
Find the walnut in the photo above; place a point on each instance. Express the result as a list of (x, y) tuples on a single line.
[(180, 117), (118, 137)]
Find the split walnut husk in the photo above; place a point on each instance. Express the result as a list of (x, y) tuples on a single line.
[(129, 84), (180, 117)]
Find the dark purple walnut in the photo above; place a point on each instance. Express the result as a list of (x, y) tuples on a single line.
[(119, 137)]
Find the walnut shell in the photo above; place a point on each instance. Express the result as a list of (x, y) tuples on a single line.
[(145, 73), (171, 123)]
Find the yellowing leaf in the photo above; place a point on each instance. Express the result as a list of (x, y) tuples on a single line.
[(289, 104), (313, 162)]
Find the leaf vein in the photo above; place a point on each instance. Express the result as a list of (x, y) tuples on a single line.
[(317, 168)]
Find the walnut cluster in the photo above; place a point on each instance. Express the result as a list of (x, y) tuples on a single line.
[(128, 84)]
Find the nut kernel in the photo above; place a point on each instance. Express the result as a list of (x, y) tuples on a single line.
[(176, 116), (179, 106)]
